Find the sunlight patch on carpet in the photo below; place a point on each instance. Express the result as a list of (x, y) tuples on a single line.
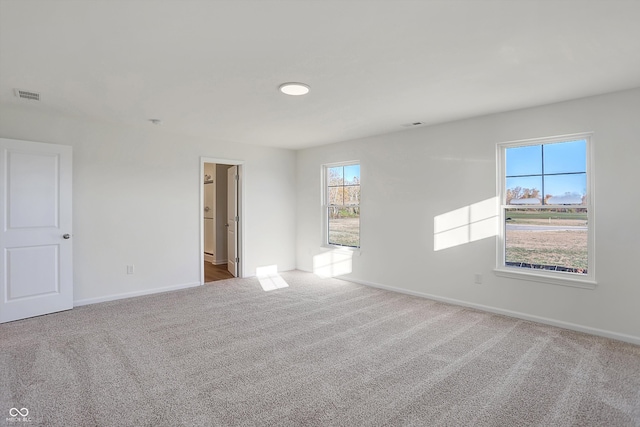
[(270, 279)]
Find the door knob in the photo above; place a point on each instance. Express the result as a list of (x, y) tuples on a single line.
[(66, 236)]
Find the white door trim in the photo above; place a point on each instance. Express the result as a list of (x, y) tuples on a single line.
[(241, 201)]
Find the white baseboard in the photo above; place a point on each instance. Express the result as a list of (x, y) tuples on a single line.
[(87, 301), (212, 260), (559, 323)]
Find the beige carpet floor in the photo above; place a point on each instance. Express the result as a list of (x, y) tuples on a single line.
[(318, 352)]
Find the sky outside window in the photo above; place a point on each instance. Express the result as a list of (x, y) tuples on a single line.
[(352, 174), (565, 157), (554, 173), (524, 160)]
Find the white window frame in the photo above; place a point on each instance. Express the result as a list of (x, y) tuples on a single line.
[(587, 281), (325, 207)]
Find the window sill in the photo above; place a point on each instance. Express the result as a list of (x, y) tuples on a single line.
[(354, 251), (554, 279)]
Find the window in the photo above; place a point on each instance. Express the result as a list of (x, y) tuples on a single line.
[(342, 205), (546, 210)]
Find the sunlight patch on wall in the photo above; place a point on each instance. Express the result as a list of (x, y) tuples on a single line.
[(467, 224), (270, 279), (333, 263)]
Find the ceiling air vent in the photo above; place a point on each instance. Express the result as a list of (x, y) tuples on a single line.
[(27, 94), (409, 125)]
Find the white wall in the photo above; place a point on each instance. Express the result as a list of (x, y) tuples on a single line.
[(410, 177), (136, 201)]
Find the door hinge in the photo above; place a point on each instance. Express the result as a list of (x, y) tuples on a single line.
[(237, 218), (237, 177), (237, 259)]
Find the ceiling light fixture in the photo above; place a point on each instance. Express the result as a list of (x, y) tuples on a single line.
[(294, 89)]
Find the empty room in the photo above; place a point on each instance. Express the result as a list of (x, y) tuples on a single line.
[(319, 213)]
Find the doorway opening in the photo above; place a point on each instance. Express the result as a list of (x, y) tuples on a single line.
[(221, 223)]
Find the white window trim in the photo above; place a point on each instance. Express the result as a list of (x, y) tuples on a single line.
[(587, 281), (325, 206)]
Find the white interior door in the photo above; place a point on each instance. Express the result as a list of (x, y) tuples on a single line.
[(232, 220), (35, 229)]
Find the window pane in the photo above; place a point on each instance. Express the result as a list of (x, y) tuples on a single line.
[(335, 196), (352, 174), (549, 239), (335, 176), (524, 191), (352, 195), (565, 189), (524, 160), (565, 157), (344, 226)]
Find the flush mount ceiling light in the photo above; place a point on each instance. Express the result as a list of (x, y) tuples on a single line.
[(294, 89)]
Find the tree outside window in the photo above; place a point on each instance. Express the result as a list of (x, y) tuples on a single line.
[(342, 207)]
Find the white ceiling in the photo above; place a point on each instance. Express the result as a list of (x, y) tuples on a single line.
[(211, 68)]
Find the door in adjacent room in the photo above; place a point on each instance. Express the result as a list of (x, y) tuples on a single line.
[(36, 272)]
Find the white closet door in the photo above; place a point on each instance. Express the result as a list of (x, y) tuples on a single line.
[(35, 237)]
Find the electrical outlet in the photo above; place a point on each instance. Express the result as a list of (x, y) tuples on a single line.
[(477, 278), (130, 269)]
